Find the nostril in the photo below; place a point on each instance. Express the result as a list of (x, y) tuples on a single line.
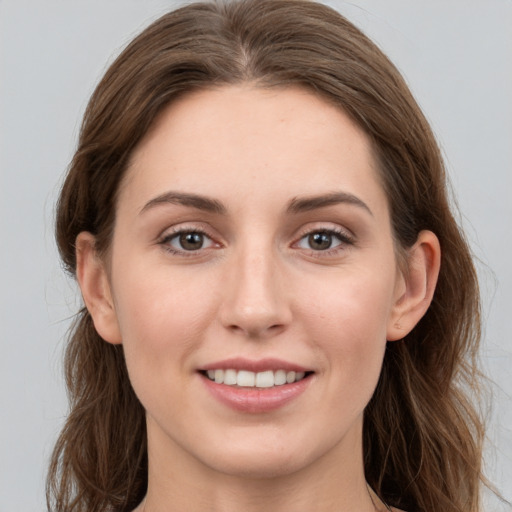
[(256, 327), (264, 331)]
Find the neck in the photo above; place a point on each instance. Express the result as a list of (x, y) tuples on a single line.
[(180, 482), (251, 496)]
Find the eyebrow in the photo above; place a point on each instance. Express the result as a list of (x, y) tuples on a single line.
[(186, 199), (304, 204), (296, 205)]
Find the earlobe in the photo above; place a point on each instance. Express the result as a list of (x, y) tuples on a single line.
[(95, 287), (418, 286)]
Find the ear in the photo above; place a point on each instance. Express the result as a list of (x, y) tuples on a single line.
[(416, 287), (95, 286)]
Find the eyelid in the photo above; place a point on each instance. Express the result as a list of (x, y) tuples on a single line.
[(325, 227)]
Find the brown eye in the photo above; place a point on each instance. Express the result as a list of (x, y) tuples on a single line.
[(187, 241), (320, 241), (191, 241), (329, 241)]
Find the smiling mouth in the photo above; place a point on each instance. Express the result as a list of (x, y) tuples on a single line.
[(248, 379)]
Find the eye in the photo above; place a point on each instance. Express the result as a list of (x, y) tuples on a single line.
[(323, 240), (187, 241)]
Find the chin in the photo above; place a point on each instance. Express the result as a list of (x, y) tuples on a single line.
[(259, 467), (265, 456)]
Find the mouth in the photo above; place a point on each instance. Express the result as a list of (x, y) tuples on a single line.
[(256, 386), (250, 379)]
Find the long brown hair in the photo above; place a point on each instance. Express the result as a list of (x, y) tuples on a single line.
[(422, 435)]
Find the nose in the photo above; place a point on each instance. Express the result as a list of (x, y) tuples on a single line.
[(255, 302)]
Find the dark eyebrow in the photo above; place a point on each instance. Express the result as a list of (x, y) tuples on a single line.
[(186, 199), (304, 204)]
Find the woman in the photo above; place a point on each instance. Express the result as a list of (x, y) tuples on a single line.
[(280, 310)]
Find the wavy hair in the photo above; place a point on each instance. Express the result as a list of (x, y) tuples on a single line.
[(422, 433)]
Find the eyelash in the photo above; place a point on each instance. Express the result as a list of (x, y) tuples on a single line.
[(344, 239), (168, 237), (342, 236)]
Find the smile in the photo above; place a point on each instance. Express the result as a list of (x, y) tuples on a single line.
[(256, 386), (249, 379)]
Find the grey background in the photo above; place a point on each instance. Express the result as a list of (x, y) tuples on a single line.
[(457, 58)]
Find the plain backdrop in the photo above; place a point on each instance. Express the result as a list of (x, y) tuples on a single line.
[(455, 54)]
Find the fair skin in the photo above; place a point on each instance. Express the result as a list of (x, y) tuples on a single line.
[(251, 224)]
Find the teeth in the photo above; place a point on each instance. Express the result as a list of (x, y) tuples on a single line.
[(265, 379), (230, 377), (246, 379), (279, 378)]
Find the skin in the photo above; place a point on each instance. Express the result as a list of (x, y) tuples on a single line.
[(256, 288)]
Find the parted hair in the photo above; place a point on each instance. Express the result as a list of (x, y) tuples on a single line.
[(422, 432)]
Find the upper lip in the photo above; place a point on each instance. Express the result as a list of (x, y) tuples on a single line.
[(260, 365)]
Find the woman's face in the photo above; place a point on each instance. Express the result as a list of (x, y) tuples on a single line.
[(253, 246)]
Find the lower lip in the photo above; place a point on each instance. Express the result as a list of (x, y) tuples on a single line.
[(256, 400)]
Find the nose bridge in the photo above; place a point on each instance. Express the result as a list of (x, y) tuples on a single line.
[(255, 302)]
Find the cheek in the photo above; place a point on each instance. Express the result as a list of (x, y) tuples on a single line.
[(355, 305), (347, 320), (162, 319), (162, 326)]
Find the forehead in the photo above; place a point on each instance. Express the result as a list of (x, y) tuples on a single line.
[(252, 141)]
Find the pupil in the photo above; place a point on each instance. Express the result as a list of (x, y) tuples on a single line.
[(320, 241), (191, 241)]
